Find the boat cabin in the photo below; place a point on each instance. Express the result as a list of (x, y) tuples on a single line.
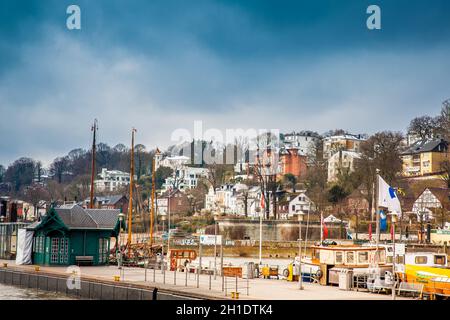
[(348, 255), (426, 259)]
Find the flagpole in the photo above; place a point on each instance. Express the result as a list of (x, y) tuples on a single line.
[(262, 205), (321, 227), (260, 237), (377, 214)]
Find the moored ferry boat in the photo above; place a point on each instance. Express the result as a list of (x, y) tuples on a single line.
[(328, 260), (430, 269)]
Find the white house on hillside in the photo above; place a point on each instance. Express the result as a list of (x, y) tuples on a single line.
[(341, 160), (111, 180), (300, 202), (430, 200), (185, 178)]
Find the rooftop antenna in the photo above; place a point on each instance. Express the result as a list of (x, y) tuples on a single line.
[(94, 129)]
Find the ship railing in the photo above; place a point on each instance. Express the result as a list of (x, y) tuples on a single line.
[(411, 287)]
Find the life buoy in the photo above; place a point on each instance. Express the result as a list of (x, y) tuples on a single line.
[(192, 255), (173, 264), (319, 274), (286, 273)]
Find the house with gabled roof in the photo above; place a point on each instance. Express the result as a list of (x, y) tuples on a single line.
[(69, 235), (425, 157), (430, 200)]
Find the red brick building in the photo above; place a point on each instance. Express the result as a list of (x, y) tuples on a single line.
[(178, 202), (293, 162)]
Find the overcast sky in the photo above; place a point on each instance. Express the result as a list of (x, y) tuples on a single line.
[(160, 65)]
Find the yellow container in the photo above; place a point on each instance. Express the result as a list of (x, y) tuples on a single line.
[(117, 278)]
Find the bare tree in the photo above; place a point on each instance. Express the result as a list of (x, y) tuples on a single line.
[(424, 127), (217, 174), (34, 195), (316, 179), (443, 128), (381, 151), (266, 166), (445, 169), (140, 150), (59, 167), (55, 191)]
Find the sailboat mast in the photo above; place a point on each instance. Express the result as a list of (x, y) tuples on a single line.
[(152, 210), (130, 202), (94, 129)]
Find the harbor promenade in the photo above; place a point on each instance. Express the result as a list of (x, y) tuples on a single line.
[(206, 287)]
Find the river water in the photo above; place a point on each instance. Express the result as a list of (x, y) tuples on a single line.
[(15, 293)]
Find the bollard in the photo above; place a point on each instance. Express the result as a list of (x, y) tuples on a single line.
[(247, 287), (210, 281), (225, 286), (37, 268), (198, 276), (116, 278), (164, 275), (5, 265)]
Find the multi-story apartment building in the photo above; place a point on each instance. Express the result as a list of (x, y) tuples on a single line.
[(292, 161), (185, 178), (112, 180), (341, 161), (304, 141), (347, 142), (425, 157)]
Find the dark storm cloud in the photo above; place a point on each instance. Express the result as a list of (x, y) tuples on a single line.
[(160, 65)]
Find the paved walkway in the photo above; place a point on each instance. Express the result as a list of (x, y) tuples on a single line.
[(264, 289)]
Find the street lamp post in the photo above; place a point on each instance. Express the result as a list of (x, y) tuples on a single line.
[(163, 219), (300, 220), (216, 215), (168, 227), (119, 253), (260, 235), (394, 220)]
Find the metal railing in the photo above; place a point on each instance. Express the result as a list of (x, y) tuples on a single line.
[(235, 284), (188, 276)]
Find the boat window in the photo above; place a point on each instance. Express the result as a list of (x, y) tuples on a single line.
[(339, 257), (363, 257), (439, 260), (317, 254), (400, 260), (421, 260), (350, 257), (381, 256), (389, 259)]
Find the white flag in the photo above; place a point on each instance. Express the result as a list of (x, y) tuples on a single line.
[(387, 197)]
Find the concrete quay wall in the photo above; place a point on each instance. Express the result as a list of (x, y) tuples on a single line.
[(96, 290)]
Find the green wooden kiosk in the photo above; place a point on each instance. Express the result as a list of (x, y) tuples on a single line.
[(72, 235)]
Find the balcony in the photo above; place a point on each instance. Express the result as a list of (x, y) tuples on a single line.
[(415, 169)]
